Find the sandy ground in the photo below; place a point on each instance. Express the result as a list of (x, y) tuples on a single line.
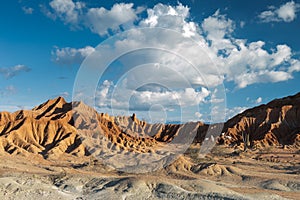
[(225, 173)]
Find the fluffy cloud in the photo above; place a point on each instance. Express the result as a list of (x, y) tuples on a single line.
[(264, 76), (170, 17), (10, 72), (286, 12), (237, 60), (67, 10), (101, 20), (194, 56), (183, 98), (295, 66), (123, 98), (218, 28), (69, 56)]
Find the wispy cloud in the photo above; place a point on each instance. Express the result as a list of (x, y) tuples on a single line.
[(8, 90), (99, 20), (27, 10), (62, 77), (286, 13), (258, 100), (10, 72), (234, 111), (69, 56), (62, 94), (13, 108), (11, 89)]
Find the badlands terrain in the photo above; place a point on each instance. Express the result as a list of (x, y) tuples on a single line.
[(61, 150)]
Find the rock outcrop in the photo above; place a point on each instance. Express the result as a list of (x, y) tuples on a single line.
[(274, 124), (45, 130)]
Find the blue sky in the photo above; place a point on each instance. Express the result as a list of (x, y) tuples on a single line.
[(254, 45)]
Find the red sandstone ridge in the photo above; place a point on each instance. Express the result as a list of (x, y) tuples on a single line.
[(55, 128), (276, 123), (45, 130)]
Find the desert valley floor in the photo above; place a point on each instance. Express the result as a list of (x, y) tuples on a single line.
[(223, 174)]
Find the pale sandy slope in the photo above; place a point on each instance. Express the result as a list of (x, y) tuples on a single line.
[(224, 174)]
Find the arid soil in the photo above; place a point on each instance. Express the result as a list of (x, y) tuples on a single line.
[(223, 174)]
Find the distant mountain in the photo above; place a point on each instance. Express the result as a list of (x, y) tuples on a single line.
[(55, 128)]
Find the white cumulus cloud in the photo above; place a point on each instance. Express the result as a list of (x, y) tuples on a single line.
[(123, 98), (67, 10), (286, 13), (100, 20), (222, 56)]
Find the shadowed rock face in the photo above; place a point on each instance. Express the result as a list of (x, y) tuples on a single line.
[(51, 129), (46, 130), (276, 123)]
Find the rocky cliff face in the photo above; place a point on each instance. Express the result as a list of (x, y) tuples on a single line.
[(55, 128), (276, 123), (44, 130)]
